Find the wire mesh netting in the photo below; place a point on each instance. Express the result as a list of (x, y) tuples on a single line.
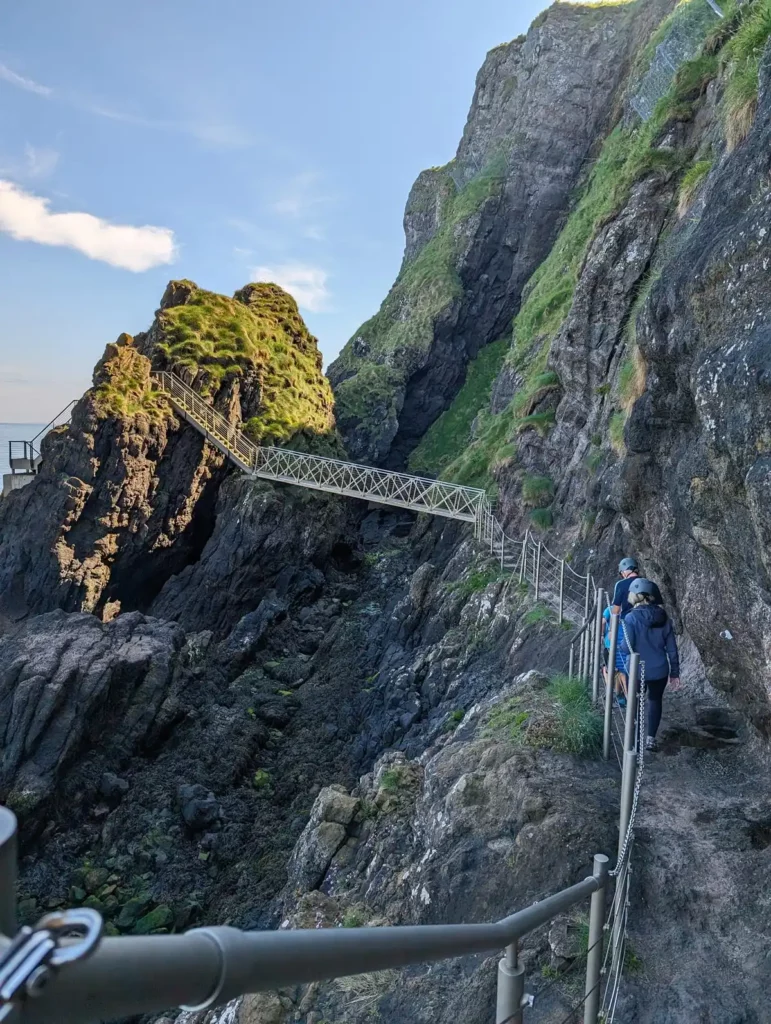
[(682, 42)]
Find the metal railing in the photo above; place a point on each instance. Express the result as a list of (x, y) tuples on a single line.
[(44, 980), (24, 456), (336, 476), (555, 581), (626, 726)]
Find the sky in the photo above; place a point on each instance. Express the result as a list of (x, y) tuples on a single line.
[(228, 142)]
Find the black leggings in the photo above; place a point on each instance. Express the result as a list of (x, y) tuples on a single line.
[(655, 690)]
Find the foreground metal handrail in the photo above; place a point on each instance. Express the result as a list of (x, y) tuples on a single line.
[(207, 967)]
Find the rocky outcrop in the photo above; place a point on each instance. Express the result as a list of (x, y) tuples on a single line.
[(265, 540), (189, 764), (127, 493), (69, 683), (481, 826), (477, 229)]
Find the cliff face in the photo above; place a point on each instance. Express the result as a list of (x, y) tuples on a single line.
[(660, 411), (322, 713), (126, 497), (477, 228)]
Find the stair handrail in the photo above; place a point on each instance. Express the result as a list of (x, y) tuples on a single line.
[(52, 422)]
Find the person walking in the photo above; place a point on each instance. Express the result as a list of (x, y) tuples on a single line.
[(628, 570), (647, 629), (619, 673)]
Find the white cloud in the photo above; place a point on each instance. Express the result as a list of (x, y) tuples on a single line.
[(307, 284), (11, 375), (210, 131), (23, 83), (40, 162), (301, 197), (27, 218), (217, 134)]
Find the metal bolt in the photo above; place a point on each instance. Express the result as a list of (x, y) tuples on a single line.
[(37, 981)]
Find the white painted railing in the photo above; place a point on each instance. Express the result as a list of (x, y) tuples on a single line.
[(555, 581)]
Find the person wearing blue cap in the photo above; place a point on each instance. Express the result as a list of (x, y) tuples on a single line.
[(628, 570), (647, 629)]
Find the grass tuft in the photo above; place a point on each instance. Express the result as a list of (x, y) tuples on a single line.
[(616, 431), (631, 379), (560, 717), (542, 518), (537, 491), (741, 57), (476, 582)]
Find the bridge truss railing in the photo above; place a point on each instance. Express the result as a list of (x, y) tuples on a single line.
[(554, 579), (335, 476)]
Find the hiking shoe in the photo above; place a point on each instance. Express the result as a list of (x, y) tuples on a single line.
[(651, 744), (621, 702)]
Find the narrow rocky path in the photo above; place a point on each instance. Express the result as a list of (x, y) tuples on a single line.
[(699, 920)]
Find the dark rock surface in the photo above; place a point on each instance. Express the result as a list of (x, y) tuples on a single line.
[(188, 765)]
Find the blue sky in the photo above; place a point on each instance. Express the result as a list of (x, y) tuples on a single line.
[(218, 142)]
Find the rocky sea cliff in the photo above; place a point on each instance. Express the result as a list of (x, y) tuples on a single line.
[(224, 700)]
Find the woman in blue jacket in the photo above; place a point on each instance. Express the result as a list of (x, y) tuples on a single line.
[(647, 630)]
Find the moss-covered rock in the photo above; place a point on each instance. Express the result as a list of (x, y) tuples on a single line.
[(252, 353), (159, 919), (132, 910), (123, 386)]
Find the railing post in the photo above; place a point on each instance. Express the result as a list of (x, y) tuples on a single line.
[(610, 686), (627, 796), (596, 928), (522, 564), (628, 780), (8, 870), (588, 591), (538, 572), (631, 703), (562, 591), (588, 647), (511, 988), (598, 646), (571, 663)]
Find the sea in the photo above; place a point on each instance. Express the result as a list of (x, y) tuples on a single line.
[(16, 432)]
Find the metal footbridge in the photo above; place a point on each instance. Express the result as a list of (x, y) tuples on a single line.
[(322, 474), (555, 581)]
